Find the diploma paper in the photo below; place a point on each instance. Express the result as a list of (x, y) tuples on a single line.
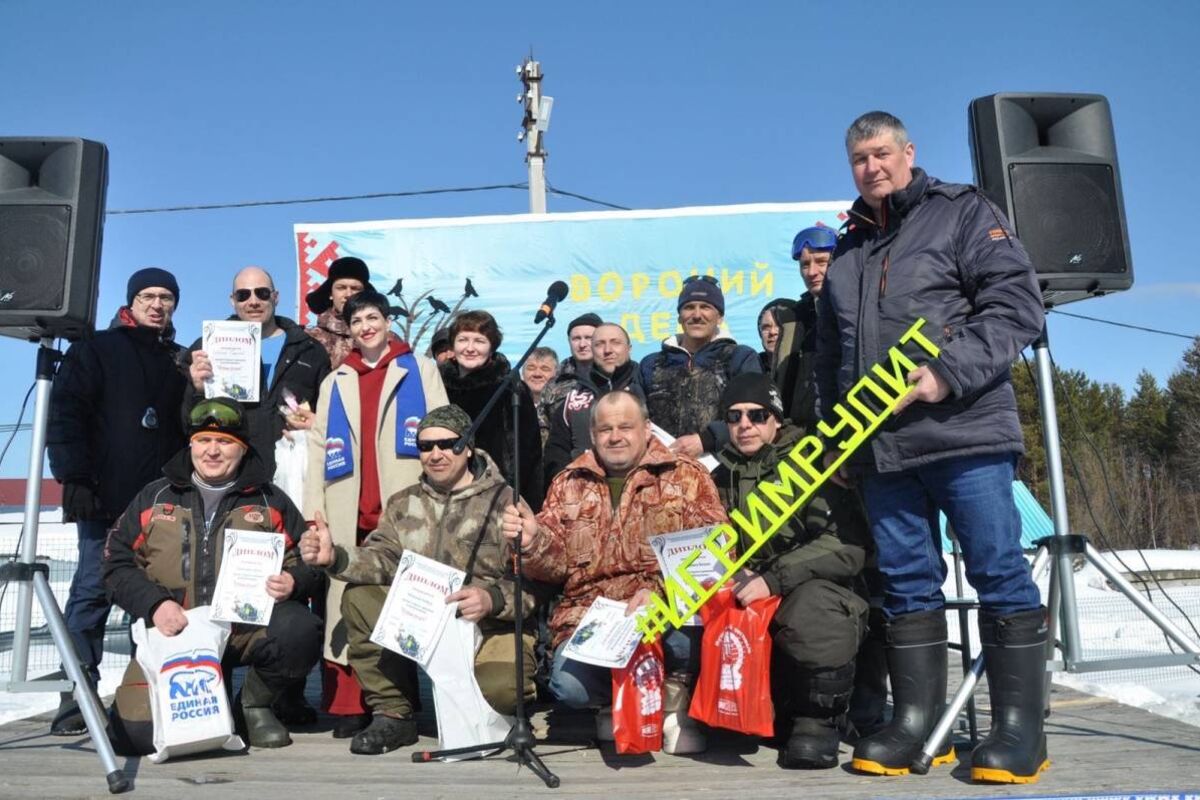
[(249, 558), (234, 349), (415, 612), (605, 636), (672, 548), (707, 459)]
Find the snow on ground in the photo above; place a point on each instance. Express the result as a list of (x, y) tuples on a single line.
[(1110, 626)]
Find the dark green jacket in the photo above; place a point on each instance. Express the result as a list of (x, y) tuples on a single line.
[(825, 539)]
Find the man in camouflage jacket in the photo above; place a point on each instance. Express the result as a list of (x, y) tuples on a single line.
[(453, 516)]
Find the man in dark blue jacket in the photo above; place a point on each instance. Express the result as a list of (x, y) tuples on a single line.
[(113, 423), (683, 381), (919, 248)]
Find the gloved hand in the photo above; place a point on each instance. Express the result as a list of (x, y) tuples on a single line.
[(80, 502)]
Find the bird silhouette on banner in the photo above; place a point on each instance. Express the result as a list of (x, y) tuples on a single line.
[(469, 290), (398, 289), (438, 305)]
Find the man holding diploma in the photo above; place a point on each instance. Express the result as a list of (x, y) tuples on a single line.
[(163, 556), (593, 536), (452, 515)]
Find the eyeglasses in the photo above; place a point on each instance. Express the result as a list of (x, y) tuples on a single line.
[(445, 445), (706, 278), (146, 298), (261, 292), (211, 413), (757, 415)]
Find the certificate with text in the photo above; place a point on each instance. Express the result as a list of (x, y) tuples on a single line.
[(671, 549), (605, 637), (234, 350), (416, 612), (248, 559)]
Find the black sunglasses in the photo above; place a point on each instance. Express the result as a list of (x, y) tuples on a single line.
[(706, 278), (261, 292), (757, 415), (446, 445)]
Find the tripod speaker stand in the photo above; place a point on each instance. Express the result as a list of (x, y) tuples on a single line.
[(31, 579), (520, 740), (1059, 552)]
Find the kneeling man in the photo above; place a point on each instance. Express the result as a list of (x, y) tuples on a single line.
[(452, 515), (164, 554), (593, 536), (812, 562)]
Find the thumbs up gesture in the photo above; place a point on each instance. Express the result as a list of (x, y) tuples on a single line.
[(316, 545)]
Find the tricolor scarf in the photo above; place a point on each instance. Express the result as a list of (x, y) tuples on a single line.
[(410, 408)]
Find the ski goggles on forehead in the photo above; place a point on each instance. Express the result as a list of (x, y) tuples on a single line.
[(757, 415), (211, 414), (819, 238), (261, 292)]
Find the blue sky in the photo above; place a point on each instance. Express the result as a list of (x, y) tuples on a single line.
[(656, 105)]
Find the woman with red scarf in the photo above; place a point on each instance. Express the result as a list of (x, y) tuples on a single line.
[(361, 451)]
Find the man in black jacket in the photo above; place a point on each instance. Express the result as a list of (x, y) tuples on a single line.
[(113, 423), (164, 554), (919, 248), (570, 419), (291, 361)]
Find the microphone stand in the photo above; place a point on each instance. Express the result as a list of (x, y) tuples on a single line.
[(520, 739)]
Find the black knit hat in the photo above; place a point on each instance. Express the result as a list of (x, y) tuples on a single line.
[(702, 289), (319, 299), (584, 319), (752, 387), (147, 278)]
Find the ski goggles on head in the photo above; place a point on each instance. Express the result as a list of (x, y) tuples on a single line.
[(706, 278), (220, 416), (816, 238)]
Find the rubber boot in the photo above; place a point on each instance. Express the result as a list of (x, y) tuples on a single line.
[(256, 717), (869, 699), (604, 724), (1014, 655), (682, 735), (820, 703), (384, 735), (916, 660), (292, 708)]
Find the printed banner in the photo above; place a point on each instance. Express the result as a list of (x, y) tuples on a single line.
[(626, 266)]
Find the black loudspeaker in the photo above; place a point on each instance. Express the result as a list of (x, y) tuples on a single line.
[(1050, 160), (52, 195)]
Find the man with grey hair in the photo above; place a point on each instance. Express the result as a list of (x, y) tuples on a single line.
[(915, 247)]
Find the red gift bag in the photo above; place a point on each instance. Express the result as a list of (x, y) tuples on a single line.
[(734, 689), (637, 709)]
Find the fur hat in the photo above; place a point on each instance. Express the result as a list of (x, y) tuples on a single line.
[(319, 299)]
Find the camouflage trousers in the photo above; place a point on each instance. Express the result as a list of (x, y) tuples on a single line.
[(389, 680)]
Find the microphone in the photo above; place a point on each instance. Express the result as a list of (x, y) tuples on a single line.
[(557, 291)]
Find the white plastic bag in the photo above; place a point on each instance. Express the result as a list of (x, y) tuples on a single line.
[(291, 465), (188, 702)]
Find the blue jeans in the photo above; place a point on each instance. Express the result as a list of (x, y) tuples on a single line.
[(580, 685), (975, 492), (87, 606)]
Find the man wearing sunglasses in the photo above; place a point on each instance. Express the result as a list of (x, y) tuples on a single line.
[(684, 380), (812, 563), (919, 248), (163, 557), (292, 361), (452, 515), (114, 421)]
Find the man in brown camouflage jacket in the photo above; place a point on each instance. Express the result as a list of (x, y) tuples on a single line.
[(593, 536), (452, 515)]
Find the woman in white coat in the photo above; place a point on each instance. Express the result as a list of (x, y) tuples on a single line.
[(361, 451)]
